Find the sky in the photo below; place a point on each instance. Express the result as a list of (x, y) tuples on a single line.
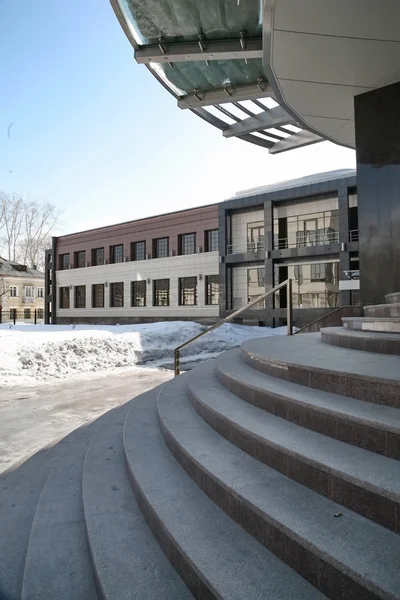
[(95, 134)]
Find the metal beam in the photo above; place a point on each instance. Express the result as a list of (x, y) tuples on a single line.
[(297, 140), (227, 94), (269, 118), (203, 50)]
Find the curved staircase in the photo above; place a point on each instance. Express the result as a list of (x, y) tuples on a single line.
[(272, 472)]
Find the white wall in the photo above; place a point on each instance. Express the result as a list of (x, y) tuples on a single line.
[(20, 302), (171, 268), (240, 221)]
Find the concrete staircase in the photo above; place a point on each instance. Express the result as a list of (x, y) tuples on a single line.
[(272, 472)]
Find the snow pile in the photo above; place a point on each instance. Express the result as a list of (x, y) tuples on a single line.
[(32, 353)]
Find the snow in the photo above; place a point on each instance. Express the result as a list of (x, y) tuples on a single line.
[(32, 354)]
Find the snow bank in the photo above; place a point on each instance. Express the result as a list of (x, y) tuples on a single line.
[(32, 353)]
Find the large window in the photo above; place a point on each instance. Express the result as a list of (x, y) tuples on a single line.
[(80, 259), (29, 291), (64, 297), (80, 296), (138, 251), (117, 254), (161, 247), (98, 295), (211, 240), (161, 292), (187, 243), (187, 291), (315, 285), (212, 289), (138, 293), (255, 236), (256, 285), (117, 294), (97, 257), (64, 262)]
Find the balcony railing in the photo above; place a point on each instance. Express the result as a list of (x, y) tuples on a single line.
[(353, 235), (243, 248), (308, 238)]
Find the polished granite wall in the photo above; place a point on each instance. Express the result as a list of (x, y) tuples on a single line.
[(377, 119)]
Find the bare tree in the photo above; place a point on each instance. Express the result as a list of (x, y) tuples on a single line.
[(11, 221)]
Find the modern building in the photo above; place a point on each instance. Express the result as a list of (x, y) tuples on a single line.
[(203, 263), (21, 291)]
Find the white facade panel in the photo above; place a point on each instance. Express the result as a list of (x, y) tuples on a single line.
[(240, 222)]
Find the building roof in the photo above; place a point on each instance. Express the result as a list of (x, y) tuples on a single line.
[(9, 268)]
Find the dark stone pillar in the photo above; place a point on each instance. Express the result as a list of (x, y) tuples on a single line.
[(377, 121), (343, 201), (269, 273)]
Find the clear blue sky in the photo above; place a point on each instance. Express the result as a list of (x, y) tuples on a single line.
[(97, 135)]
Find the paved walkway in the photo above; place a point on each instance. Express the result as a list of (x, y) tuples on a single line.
[(32, 417)]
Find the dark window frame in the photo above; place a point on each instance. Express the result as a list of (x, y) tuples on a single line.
[(186, 244), (96, 262), (64, 297), (138, 298), (80, 259), (116, 254), (185, 285), (64, 261), (158, 292), (134, 250), (157, 244), (96, 288), (114, 295), (80, 302), (211, 280), (27, 313), (209, 240)]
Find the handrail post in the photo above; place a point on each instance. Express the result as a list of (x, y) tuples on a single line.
[(177, 362), (289, 302)]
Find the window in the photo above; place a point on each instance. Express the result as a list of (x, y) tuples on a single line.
[(211, 240), (80, 296), (138, 293), (13, 291), (80, 259), (161, 247), (161, 292), (117, 294), (64, 297), (187, 243), (315, 285), (40, 292), (29, 291), (117, 254), (98, 295), (138, 251), (98, 257), (256, 285), (318, 272), (64, 262), (27, 313), (255, 237), (40, 313), (187, 291), (212, 289)]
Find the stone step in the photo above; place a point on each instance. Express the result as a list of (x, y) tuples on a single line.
[(127, 560), (370, 426), (380, 324), (392, 298), (215, 557), (358, 479), (306, 360), (339, 555), (382, 310), (366, 341)]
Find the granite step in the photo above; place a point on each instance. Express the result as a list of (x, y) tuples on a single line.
[(366, 341), (358, 479), (392, 298), (306, 360), (127, 560), (342, 553), (370, 426), (380, 324), (382, 310), (214, 556)]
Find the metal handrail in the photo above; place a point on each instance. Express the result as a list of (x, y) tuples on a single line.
[(287, 283)]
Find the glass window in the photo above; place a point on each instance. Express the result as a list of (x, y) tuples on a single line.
[(40, 292), (80, 296), (187, 243), (64, 297), (40, 313), (211, 240), (29, 291), (98, 257), (138, 251), (255, 284), (161, 247), (80, 259), (315, 285), (64, 262), (212, 289), (27, 313), (117, 294), (187, 291), (117, 254), (98, 295), (255, 237), (138, 293), (161, 292), (13, 291)]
